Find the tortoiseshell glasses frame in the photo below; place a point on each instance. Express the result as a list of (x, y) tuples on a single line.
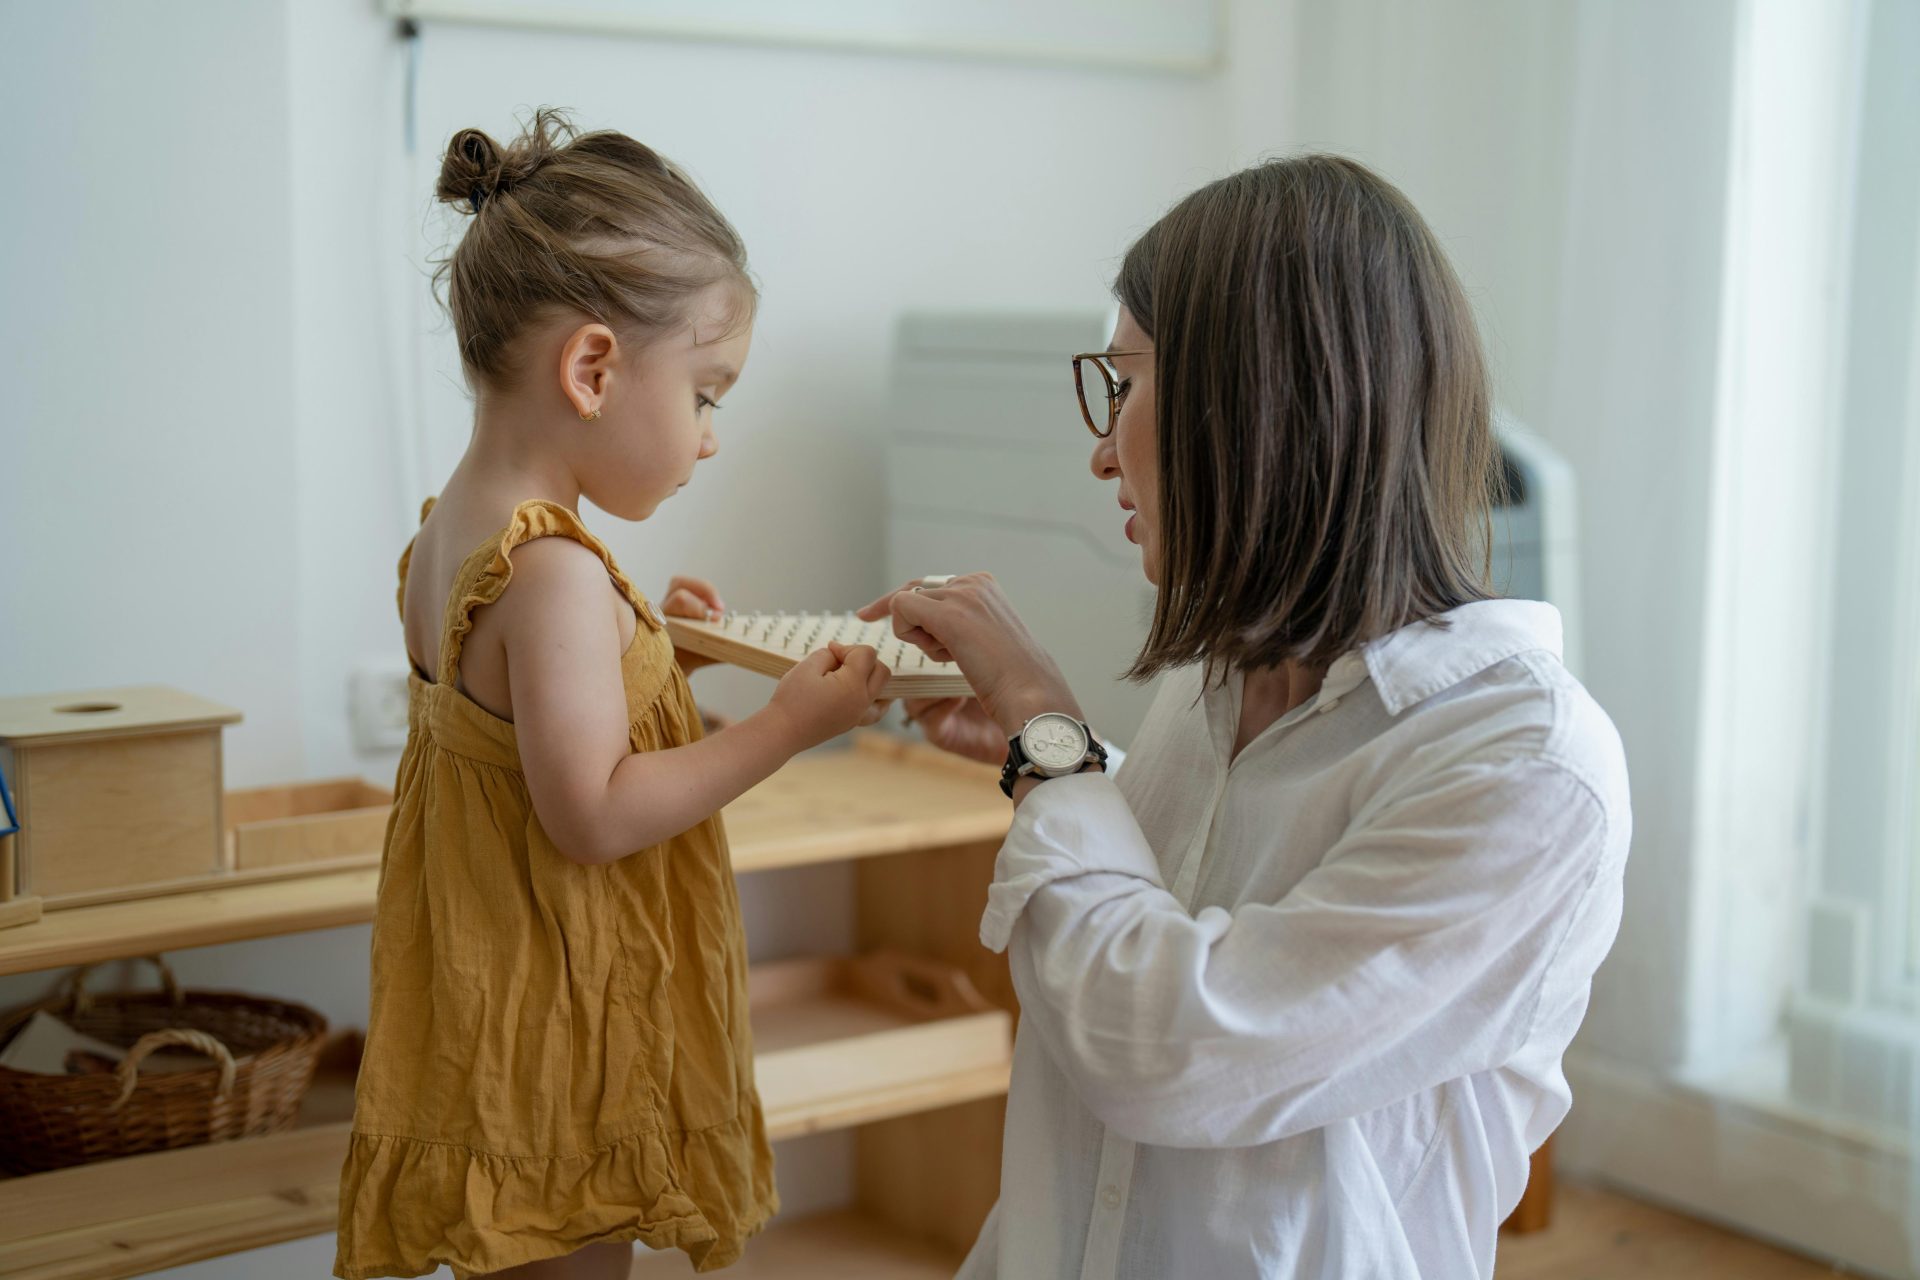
[(1109, 390)]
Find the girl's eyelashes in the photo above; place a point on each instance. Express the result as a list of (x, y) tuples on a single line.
[(702, 401)]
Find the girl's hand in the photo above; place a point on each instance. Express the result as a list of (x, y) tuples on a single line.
[(969, 621), (960, 725), (692, 598), (830, 691)]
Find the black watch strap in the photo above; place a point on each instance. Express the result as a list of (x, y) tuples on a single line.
[(1010, 771)]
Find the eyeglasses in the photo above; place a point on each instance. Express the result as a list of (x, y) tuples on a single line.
[(1106, 389)]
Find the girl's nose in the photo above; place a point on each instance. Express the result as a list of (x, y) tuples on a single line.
[(708, 446)]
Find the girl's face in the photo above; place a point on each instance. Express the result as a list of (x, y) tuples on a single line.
[(1131, 454), (656, 419)]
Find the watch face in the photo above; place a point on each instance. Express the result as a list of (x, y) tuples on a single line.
[(1054, 741)]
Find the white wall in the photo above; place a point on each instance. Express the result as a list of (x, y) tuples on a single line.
[(1467, 107), (213, 323), (862, 186), (216, 321), (1572, 159), (150, 498), (152, 493)]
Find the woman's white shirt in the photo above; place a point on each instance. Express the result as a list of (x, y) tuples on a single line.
[(1301, 1013)]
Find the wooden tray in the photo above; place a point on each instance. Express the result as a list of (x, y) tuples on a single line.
[(333, 823), (274, 833)]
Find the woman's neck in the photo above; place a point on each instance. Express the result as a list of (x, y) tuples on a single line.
[(1267, 693), (1288, 685)]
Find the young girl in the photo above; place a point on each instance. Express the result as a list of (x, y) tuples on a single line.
[(558, 1060)]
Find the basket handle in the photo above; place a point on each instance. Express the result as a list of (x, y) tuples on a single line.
[(129, 1068), (80, 1000)]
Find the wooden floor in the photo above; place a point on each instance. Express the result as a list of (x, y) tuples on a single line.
[(1597, 1235)]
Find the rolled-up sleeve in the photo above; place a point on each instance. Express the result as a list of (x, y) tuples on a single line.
[(1414, 953), (1067, 827)]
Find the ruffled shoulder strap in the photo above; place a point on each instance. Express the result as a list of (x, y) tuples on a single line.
[(484, 577), (406, 562)]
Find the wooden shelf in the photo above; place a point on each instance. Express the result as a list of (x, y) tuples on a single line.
[(883, 796), (829, 1246), (836, 1046), (840, 1041), (128, 1217), (110, 930)]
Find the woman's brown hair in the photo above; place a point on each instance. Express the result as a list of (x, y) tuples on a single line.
[(1326, 456), (594, 223)]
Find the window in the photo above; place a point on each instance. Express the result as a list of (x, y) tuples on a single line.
[(1851, 1025)]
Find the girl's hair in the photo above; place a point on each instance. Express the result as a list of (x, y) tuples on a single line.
[(593, 223), (1326, 458)]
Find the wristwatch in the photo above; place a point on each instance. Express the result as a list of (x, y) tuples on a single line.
[(1051, 745)]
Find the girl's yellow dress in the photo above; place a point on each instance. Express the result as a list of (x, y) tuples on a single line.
[(557, 1054)]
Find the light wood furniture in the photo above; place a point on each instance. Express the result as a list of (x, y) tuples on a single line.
[(114, 789), (829, 1031), (331, 823), (16, 908), (909, 1043), (1535, 1210), (923, 829), (772, 643), (848, 1245), (882, 798), (119, 799)]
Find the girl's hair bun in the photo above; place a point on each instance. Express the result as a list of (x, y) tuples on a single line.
[(476, 168), (594, 225)]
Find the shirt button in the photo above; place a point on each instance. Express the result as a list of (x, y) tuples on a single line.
[(1328, 705), (1110, 1196)]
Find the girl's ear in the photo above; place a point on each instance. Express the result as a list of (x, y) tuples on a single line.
[(586, 368)]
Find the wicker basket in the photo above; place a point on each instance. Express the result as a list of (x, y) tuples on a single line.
[(264, 1053)]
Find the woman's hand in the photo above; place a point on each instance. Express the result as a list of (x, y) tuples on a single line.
[(692, 598), (969, 621), (830, 691), (959, 725)]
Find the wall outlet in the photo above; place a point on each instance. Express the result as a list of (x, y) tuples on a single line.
[(377, 707)]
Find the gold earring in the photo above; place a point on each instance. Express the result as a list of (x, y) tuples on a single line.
[(590, 417)]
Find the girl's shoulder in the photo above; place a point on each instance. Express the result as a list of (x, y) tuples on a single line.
[(482, 539), (473, 550)]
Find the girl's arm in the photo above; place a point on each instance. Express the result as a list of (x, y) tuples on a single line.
[(597, 799)]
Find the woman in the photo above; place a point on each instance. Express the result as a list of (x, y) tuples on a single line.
[(1295, 982)]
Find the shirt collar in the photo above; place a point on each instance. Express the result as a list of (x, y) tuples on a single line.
[(1416, 662)]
